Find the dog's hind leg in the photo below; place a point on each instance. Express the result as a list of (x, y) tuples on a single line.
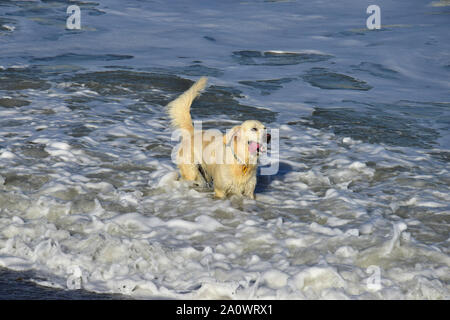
[(189, 172)]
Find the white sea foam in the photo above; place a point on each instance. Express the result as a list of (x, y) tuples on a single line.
[(177, 242)]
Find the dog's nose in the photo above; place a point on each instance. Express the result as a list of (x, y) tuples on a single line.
[(268, 138)]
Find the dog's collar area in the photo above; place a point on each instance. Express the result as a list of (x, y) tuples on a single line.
[(242, 163), (235, 155)]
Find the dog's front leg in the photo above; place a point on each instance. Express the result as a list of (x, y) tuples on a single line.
[(250, 194), (249, 190)]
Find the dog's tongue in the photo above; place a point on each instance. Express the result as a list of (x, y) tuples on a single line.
[(253, 147)]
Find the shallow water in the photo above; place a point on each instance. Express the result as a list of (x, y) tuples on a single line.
[(19, 285), (359, 208)]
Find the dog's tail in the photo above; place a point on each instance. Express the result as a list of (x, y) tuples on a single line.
[(180, 108)]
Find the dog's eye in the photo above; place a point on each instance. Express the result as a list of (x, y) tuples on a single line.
[(254, 129)]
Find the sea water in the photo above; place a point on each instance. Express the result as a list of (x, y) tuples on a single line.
[(358, 209)]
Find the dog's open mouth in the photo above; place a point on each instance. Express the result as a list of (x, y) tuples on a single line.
[(254, 147)]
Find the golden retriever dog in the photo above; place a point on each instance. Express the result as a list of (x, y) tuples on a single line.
[(226, 161)]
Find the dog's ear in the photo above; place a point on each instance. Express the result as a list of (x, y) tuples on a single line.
[(231, 134)]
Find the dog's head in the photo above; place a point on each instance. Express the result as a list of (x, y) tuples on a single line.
[(248, 140)]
